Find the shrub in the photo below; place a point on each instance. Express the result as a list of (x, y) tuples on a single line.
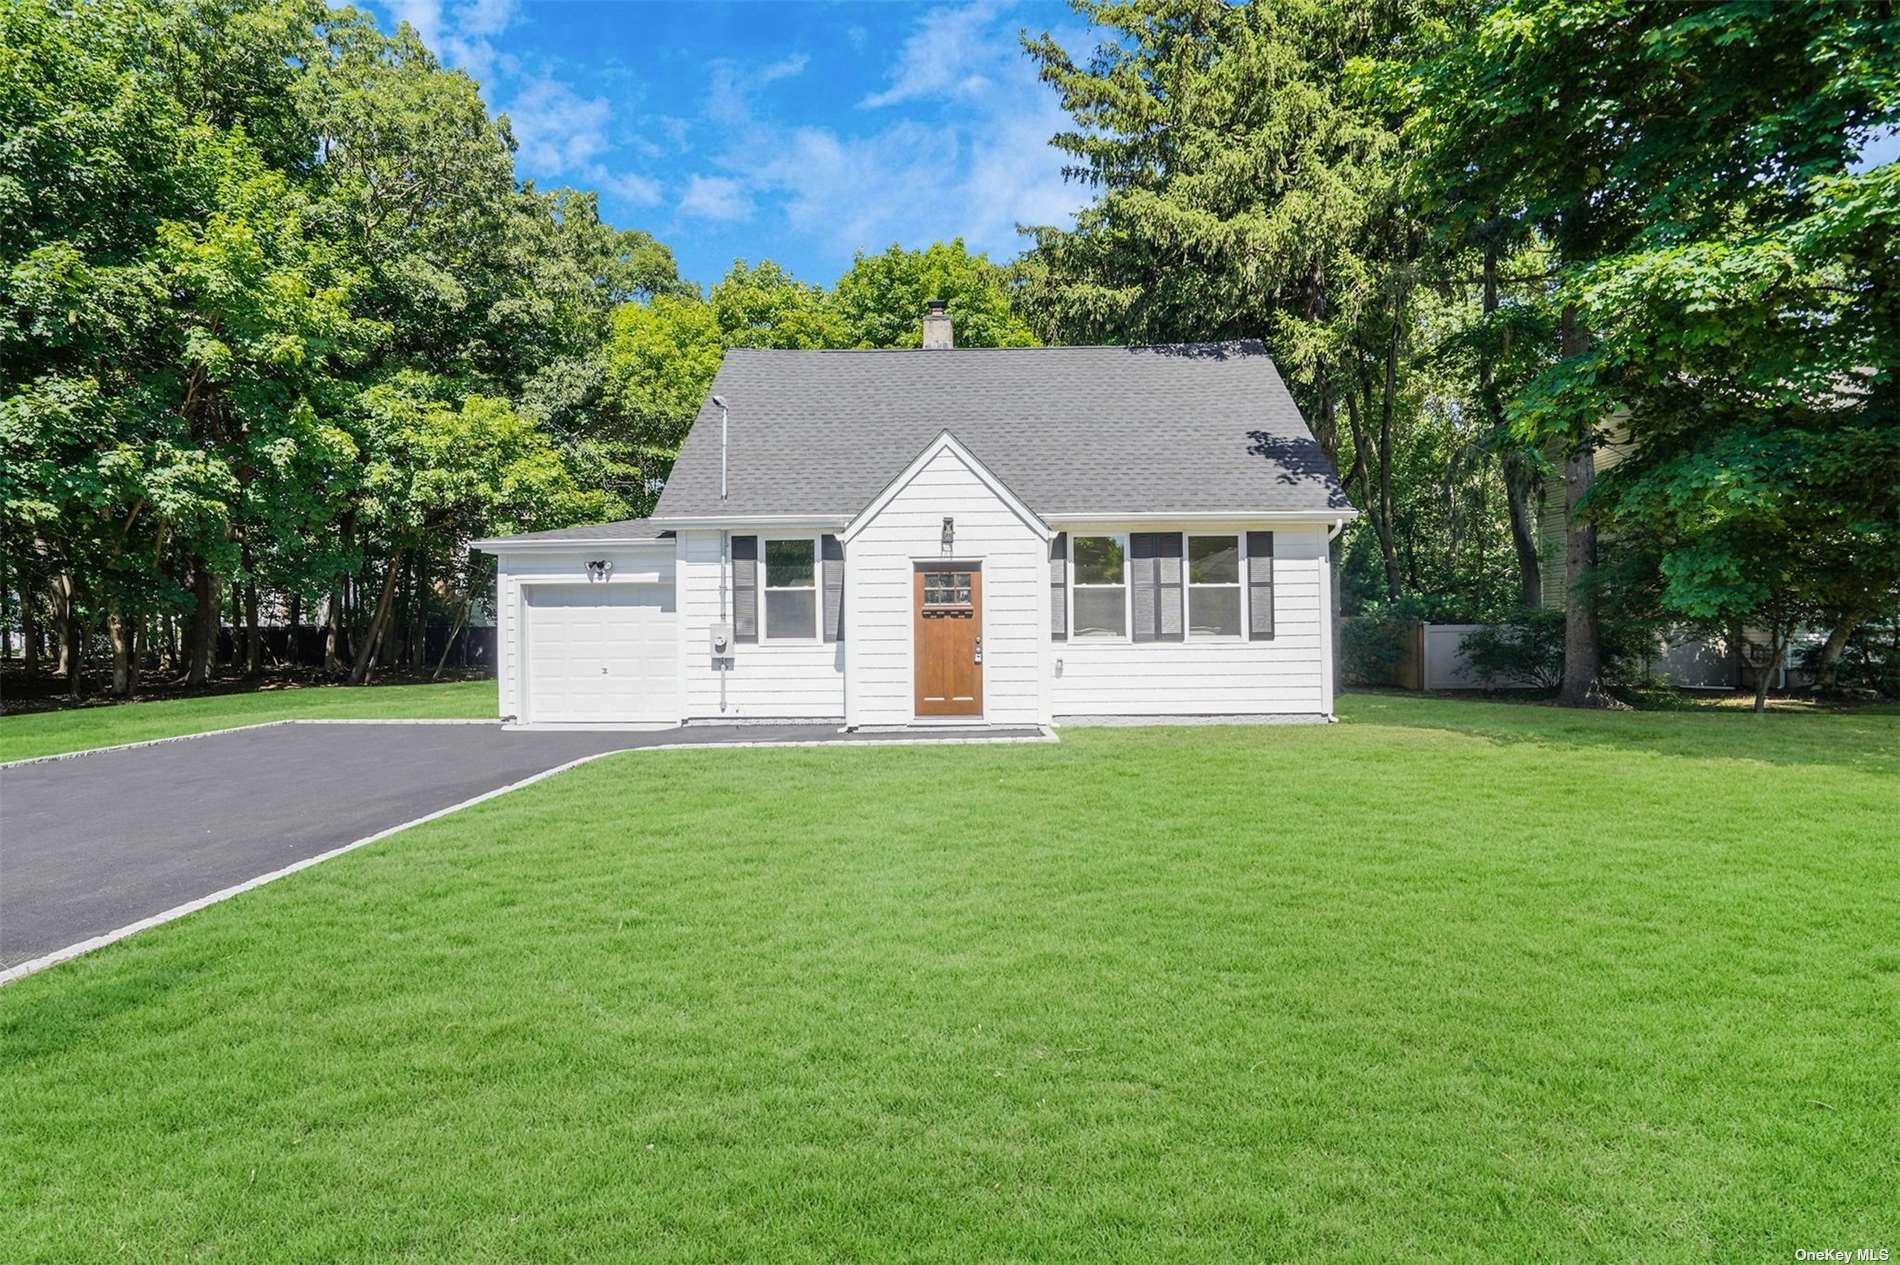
[(1373, 647), (1528, 649)]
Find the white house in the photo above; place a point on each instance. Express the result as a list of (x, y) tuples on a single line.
[(948, 536)]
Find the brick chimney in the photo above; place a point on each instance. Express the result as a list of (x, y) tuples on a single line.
[(937, 334)]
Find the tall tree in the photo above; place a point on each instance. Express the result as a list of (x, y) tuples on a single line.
[(660, 360), (768, 307), (1247, 187), (433, 472), (235, 234), (881, 298), (1622, 130)]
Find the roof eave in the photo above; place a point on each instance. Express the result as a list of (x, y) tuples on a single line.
[(1206, 516), (811, 521), (506, 544)]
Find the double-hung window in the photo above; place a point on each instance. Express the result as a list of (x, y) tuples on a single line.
[(1213, 586), (1099, 585), (791, 589)]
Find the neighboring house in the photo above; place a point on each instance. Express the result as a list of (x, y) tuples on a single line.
[(960, 536), (1553, 517)]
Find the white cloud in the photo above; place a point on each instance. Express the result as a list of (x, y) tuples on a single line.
[(461, 35), (1016, 178), (728, 99), (784, 68), (486, 17), (424, 15), (559, 130), (563, 136), (630, 186), (863, 191), (968, 156), (674, 128), (952, 53), (716, 198)]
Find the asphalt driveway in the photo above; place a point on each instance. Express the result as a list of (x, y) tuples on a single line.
[(97, 842)]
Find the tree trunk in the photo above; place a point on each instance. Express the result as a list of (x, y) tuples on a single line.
[(1385, 436), (1827, 670), (461, 617), (419, 627), (333, 634), (253, 637), (29, 626), (246, 610), (237, 621), (1381, 525), (1520, 476), (123, 633), (1582, 685), (61, 591), (201, 638), (75, 651), (396, 639), (1520, 490), (1764, 677), (366, 653)]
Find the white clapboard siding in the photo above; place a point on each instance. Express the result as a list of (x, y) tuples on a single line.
[(1214, 678), (632, 564), (880, 561), (767, 679)]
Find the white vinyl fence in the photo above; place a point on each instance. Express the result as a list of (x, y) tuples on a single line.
[(1685, 660), (1445, 666)]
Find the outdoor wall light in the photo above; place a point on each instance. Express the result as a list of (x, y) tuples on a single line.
[(599, 569), (949, 533)]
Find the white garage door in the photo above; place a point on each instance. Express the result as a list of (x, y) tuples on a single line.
[(602, 652)]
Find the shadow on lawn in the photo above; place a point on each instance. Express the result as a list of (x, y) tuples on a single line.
[(47, 1020), (1865, 741)]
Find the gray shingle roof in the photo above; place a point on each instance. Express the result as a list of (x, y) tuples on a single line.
[(1193, 428)]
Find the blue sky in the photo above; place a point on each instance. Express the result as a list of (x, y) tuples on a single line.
[(795, 130)]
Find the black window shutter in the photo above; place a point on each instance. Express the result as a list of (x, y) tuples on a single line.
[(745, 588), (1260, 586), (1154, 572), (833, 555), (1059, 587)]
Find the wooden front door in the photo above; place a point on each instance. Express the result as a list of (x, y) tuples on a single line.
[(949, 602)]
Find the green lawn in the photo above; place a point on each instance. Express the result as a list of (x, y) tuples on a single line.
[(1449, 981), (77, 729)]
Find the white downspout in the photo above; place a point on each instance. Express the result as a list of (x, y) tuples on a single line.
[(725, 557), (1327, 596), (725, 542)]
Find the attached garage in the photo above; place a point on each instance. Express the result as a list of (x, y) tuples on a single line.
[(601, 653)]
